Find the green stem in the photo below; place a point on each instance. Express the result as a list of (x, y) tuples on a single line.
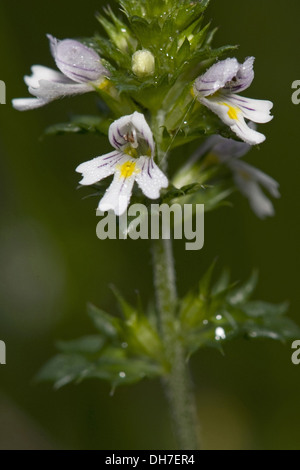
[(177, 383)]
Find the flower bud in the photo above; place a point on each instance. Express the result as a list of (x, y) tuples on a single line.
[(143, 63)]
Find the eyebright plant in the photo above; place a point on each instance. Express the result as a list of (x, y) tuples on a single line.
[(162, 85)]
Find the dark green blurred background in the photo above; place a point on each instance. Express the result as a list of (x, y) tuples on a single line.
[(51, 262)]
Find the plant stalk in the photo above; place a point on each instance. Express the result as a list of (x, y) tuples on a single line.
[(177, 383)]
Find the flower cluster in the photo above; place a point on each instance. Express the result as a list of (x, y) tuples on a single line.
[(82, 70)]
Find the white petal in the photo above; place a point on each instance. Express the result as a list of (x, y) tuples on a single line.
[(48, 85), (259, 202), (140, 123), (254, 110), (47, 92), (118, 195), (51, 91), (118, 129), (245, 133), (39, 72), (99, 168), (271, 185), (229, 148), (234, 118), (150, 178), (268, 183), (26, 104), (135, 125)]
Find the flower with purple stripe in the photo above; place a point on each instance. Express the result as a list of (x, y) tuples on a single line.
[(80, 72), (217, 90), (132, 160)]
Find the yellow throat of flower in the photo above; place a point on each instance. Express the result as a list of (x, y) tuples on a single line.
[(233, 112), (104, 84), (127, 169)]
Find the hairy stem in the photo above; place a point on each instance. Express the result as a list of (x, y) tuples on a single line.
[(177, 383)]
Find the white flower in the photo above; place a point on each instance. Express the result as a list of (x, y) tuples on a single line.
[(80, 71), (217, 90), (247, 178), (131, 161)]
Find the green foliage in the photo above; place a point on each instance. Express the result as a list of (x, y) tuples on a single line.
[(213, 197), (217, 313), (81, 125), (125, 350), (129, 348)]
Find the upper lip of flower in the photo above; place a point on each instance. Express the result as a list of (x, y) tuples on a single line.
[(133, 160), (133, 132), (227, 75), (76, 61), (217, 89)]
